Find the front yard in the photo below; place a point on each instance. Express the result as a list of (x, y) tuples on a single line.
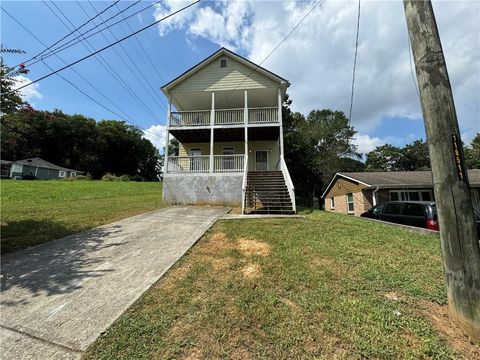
[(328, 286), (33, 212)]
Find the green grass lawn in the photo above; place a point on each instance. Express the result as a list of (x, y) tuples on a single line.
[(325, 287), (33, 212)]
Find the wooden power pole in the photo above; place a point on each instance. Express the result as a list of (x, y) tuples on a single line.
[(458, 234)]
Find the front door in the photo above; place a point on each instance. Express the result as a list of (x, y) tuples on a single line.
[(261, 160), (195, 159)]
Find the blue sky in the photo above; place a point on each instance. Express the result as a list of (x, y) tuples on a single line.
[(317, 58)]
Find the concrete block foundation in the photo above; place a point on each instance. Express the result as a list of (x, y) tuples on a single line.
[(215, 189)]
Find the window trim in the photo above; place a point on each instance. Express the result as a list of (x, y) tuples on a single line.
[(73, 174), (332, 203), (408, 191), (62, 173), (348, 203), (223, 61)]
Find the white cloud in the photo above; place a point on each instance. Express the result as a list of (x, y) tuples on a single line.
[(28, 93), (156, 135), (318, 57), (365, 143)]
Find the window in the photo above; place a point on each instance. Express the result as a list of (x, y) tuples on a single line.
[(378, 209), (62, 173), (350, 206), (414, 210), (393, 208), (223, 63), (17, 168), (72, 174), (411, 195), (332, 203)]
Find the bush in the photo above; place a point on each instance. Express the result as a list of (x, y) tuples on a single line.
[(87, 177), (137, 178), (29, 177), (113, 177)]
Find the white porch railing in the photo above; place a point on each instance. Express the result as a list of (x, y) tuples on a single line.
[(288, 181), (188, 164), (190, 118), (244, 183), (228, 163), (228, 116), (201, 164), (263, 115)]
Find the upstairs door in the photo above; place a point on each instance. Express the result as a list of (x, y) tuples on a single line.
[(195, 160), (261, 160)]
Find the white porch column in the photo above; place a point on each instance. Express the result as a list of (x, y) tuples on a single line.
[(212, 123), (245, 120), (280, 120), (167, 135)]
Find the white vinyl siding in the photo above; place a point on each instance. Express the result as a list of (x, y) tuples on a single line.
[(215, 78)]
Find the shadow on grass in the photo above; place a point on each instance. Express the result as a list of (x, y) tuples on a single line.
[(56, 267)]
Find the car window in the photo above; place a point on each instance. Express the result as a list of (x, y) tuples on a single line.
[(393, 208), (378, 209), (413, 210)]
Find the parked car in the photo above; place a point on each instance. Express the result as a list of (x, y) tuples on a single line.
[(414, 213)]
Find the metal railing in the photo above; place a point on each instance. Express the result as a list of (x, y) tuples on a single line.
[(228, 163), (190, 118), (229, 116), (188, 164), (263, 115)]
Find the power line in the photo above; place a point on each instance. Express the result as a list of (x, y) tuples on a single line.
[(70, 33), (276, 47), (110, 45), (72, 42), (354, 64), (104, 63), (138, 70), (127, 119)]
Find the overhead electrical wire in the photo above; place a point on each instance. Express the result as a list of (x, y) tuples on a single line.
[(125, 118), (354, 64), (110, 45), (75, 40), (104, 63)]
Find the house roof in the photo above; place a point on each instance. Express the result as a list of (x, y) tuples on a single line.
[(223, 52), (43, 164), (396, 179)]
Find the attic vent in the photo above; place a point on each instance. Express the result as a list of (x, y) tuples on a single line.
[(223, 63)]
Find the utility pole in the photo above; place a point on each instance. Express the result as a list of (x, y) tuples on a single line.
[(458, 234)]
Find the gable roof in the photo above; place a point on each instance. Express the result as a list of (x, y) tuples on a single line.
[(396, 179), (219, 53), (43, 164)]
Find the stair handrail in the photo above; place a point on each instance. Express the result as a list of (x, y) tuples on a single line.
[(289, 182), (244, 183)]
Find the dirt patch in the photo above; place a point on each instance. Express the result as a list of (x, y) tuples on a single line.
[(218, 242), (220, 264), (251, 271), (449, 330), (392, 296), (194, 354), (253, 247), (291, 304)]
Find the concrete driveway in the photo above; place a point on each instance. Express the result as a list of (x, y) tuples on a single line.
[(57, 298)]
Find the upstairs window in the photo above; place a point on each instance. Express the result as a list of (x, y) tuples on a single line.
[(223, 63)]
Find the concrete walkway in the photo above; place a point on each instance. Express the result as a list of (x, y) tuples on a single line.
[(57, 298)]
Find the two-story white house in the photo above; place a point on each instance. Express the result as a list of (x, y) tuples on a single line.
[(226, 113)]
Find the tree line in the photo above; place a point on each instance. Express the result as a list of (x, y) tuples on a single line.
[(73, 141), (322, 143)]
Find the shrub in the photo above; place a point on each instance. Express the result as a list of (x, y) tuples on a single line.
[(29, 177), (87, 177), (137, 178)]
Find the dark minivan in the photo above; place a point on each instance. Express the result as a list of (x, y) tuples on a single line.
[(414, 213)]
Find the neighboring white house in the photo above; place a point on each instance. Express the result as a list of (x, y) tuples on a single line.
[(226, 112)]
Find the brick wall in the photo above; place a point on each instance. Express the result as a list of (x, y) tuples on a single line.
[(360, 204)]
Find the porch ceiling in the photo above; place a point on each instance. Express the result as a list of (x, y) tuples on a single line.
[(224, 135)]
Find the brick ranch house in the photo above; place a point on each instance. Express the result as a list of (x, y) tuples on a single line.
[(226, 113), (355, 192)]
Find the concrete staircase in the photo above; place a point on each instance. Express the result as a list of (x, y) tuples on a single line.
[(267, 193)]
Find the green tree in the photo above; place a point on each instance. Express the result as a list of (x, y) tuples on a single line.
[(10, 99), (173, 147), (414, 156), (384, 158), (472, 153)]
